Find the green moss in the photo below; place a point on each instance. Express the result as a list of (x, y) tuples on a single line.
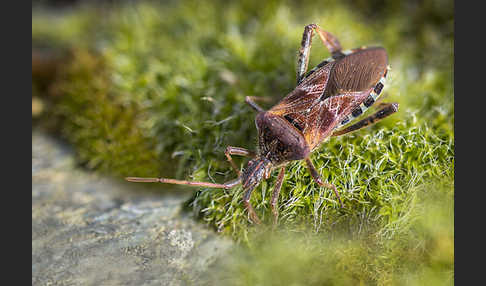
[(158, 90), (98, 122), (421, 251)]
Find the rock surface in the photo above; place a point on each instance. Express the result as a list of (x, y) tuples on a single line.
[(90, 230)]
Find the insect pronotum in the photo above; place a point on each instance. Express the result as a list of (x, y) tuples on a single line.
[(323, 104)]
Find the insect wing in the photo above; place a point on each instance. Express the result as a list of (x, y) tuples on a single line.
[(299, 106), (362, 73), (328, 114), (332, 92), (357, 72)]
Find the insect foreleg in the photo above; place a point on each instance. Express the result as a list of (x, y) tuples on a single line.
[(386, 110), (251, 212), (275, 193), (317, 179), (230, 150)]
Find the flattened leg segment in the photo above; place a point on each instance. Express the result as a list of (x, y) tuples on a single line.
[(304, 52), (386, 110), (329, 40)]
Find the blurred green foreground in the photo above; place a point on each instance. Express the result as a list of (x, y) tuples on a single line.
[(158, 90)]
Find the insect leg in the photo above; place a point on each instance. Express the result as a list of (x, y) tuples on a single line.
[(386, 110), (317, 179), (227, 185), (251, 102), (275, 193), (230, 150), (251, 212), (304, 52), (331, 42)]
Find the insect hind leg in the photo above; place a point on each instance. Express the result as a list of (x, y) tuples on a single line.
[(329, 40), (386, 110), (304, 52), (331, 43)]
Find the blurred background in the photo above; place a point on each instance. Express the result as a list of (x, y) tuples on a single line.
[(157, 88)]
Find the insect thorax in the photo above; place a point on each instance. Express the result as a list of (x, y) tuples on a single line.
[(278, 140)]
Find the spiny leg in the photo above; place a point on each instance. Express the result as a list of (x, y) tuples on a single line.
[(317, 179), (327, 38), (230, 150), (304, 52), (250, 100), (386, 110), (275, 193), (251, 212)]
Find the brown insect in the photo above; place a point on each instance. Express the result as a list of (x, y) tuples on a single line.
[(328, 97)]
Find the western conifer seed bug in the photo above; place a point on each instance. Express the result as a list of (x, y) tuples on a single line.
[(326, 100)]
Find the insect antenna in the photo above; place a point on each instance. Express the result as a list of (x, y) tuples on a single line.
[(227, 185)]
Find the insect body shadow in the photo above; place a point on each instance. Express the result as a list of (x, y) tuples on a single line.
[(324, 103)]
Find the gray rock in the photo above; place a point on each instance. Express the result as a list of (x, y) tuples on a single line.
[(91, 230)]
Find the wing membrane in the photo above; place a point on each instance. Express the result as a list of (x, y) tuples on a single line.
[(330, 113), (358, 71), (306, 94)]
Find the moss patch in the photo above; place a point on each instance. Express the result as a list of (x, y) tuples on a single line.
[(420, 252)]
